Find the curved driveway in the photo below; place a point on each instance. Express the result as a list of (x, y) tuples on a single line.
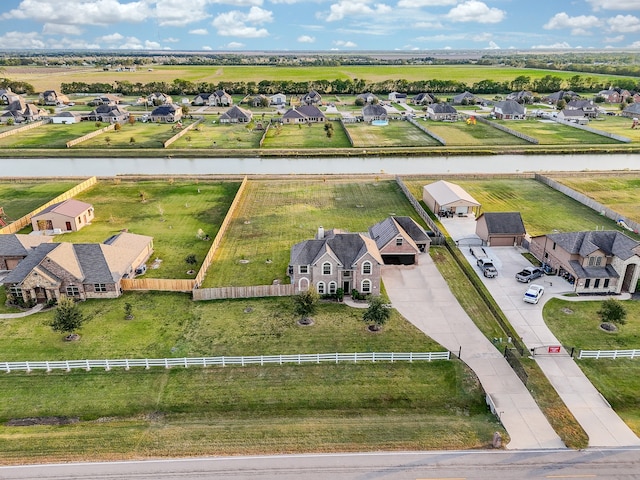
[(423, 297)]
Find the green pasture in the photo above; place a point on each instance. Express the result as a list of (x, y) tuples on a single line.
[(576, 324), (459, 133), (620, 193), (172, 212), (145, 135), (21, 196), (617, 125), (48, 136), (548, 132), (221, 135), (276, 214), (312, 135), (543, 209), (396, 134)]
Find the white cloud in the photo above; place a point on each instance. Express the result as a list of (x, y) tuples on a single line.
[(614, 4), (555, 46), (428, 25), (21, 40), (475, 11), (112, 38), (425, 3), (345, 44), (172, 13), (234, 23), (171, 40), (199, 31), (58, 29), (624, 23), (133, 43), (493, 46), (358, 8), (234, 45), (75, 43), (579, 25), (635, 45), (616, 39), (306, 39), (206, 47)]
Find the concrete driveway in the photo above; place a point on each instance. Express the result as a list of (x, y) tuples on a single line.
[(603, 426), (423, 297)]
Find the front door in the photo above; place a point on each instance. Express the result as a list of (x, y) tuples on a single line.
[(41, 295), (346, 287), (68, 225)]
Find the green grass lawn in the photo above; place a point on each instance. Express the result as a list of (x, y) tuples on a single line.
[(548, 132), (276, 214), (217, 135), (171, 212), (145, 135), (48, 136), (461, 134), (396, 134), (19, 197), (619, 193), (312, 135), (576, 324), (543, 209), (617, 125), (232, 410)]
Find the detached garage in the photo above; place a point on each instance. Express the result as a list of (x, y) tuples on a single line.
[(448, 198), (500, 229)]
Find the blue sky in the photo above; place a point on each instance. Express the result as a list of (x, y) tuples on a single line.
[(342, 25)]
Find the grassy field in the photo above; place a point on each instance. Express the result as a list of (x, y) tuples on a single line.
[(396, 134), (219, 411), (543, 209), (619, 193), (576, 324), (171, 212), (459, 133), (20, 197), (48, 136), (44, 78), (216, 135), (617, 125), (548, 132), (276, 214), (145, 135), (306, 136)]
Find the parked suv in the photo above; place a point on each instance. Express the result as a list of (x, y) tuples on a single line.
[(529, 273)]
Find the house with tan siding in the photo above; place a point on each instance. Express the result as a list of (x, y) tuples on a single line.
[(68, 216)]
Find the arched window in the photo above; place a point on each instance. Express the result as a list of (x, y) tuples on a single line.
[(366, 286), (333, 286), (303, 284), (366, 268), (320, 288), (326, 268)]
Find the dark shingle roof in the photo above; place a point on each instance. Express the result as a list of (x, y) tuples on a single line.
[(163, 110), (504, 222), (347, 248), (510, 107), (585, 243), (443, 108), (236, 112), (10, 246), (414, 230), (93, 264), (374, 110), (23, 269)]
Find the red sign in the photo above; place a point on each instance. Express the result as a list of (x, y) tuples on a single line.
[(554, 349)]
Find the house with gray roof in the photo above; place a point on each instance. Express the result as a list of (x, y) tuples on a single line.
[(423, 99), (367, 97), (158, 98), (588, 107), (303, 114), (15, 247), (108, 114), (374, 112), (509, 110), (555, 97), (575, 115), (442, 112), (220, 98), (466, 98), (67, 216), (236, 115), (79, 271), (523, 96), (311, 98), (500, 229), (400, 240), (20, 111), (596, 262), (168, 113), (51, 98), (632, 111)]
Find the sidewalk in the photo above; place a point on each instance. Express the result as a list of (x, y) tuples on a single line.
[(31, 311), (423, 297)]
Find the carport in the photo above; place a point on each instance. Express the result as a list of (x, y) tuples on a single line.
[(449, 198)]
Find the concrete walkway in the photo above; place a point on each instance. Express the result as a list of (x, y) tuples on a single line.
[(423, 297), (31, 311)]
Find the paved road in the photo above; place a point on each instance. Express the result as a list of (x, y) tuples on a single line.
[(603, 426), (536, 464), (423, 297)]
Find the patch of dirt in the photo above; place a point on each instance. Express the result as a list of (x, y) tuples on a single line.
[(74, 337), (608, 327), (306, 322), (31, 421), (567, 311)]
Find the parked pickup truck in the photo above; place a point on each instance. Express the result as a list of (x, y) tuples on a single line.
[(487, 267), (529, 273)]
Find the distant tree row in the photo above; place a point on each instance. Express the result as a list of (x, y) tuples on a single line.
[(21, 88)]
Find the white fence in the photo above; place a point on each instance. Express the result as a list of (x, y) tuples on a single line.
[(609, 354), (298, 359)]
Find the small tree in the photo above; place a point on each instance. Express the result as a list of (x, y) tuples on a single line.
[(117, 127), (128, 311), (191, 259), (132, 119), (67, 317), (305, 304), (613, 311), (107, 140), (132, 141), (377, 314), (185, 110)]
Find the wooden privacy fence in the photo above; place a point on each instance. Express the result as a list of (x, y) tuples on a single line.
[(439, 239), (15, 131), (283, 290), (218, 238), (89, 136), (159, 284), (19, 224), (296, 359), (609, 354)]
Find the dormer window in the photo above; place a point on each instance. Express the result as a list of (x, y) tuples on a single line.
[(398, 241)]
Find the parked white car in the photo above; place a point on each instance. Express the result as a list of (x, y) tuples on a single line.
[(533, 294)]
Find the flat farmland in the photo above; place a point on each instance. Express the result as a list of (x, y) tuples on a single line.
[(23, 196), (397, 134), (461, 134), (217, 135), (617, 125), (48, 136), (620, 193), (144, 135), (543, 209), (312, 135), (170, 212), (549, 132), (276, 214)]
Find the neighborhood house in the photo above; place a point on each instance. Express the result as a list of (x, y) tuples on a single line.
[(15, 247), (68, 216), (500, 229)]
